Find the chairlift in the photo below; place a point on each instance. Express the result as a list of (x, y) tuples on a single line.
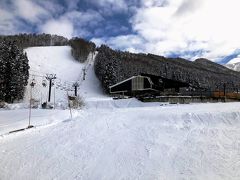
[(44, 82), (53, 82), (33, 82)]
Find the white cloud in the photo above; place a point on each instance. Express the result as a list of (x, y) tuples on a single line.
[(173, 27), (59, 27), (159, 26), (90, 17), (73, 23), (122, 42), (6, 19), (153, 3), (29, 10), (210, 27), (107, 7)]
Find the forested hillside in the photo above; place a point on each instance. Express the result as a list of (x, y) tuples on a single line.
[(114, 66), (81, 48), (31, 40), (13, 72)]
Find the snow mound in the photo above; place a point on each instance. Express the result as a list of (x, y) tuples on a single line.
[(108, 103)]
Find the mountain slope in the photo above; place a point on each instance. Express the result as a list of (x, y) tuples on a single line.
[(52, 60), (114, 66)]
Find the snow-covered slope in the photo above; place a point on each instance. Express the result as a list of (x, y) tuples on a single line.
[(234, 64), (58, 60)]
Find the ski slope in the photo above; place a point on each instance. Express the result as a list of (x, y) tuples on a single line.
[(58, 60), (114, 139)]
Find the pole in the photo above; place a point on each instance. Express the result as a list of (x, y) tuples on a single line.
[(50, 88), (54, 96), (50, 77), (41, 98), (69, 105), (30, 107), (30, 104), (224, 89), (84, 73), (75, 90), (75, 85)]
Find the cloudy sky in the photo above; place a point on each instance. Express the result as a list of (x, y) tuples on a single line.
[(173, 28)]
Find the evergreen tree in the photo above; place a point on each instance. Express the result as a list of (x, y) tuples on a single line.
[(13, 72)]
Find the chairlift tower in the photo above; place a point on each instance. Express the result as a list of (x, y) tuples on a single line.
[(75, 85), (50, 78), (32, 84), (84, 73)]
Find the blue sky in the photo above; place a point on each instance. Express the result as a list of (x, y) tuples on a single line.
[(187, 28)]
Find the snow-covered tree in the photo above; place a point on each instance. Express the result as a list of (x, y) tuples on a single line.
[(13, 72)]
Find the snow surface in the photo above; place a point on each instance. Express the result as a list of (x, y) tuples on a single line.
[(234, 64), (115, 139), (235, 60), (200, 141)]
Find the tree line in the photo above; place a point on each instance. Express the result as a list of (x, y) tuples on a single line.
[(32, 40), (80, 47)]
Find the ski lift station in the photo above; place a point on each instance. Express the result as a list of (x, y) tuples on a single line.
[(145, 83)]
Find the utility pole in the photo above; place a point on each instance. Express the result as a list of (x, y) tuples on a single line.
[(69, 104), (75, 85), (224, 89), (50, 77), (32, 84), (84, 73)]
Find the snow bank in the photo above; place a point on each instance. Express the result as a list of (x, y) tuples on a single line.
[(109, 103)]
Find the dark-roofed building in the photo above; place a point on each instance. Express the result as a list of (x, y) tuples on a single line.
[(145, 84)]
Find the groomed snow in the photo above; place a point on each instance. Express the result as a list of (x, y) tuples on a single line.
[(199, 141), (118, 139)]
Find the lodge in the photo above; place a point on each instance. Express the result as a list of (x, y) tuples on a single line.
[(146, 84)]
